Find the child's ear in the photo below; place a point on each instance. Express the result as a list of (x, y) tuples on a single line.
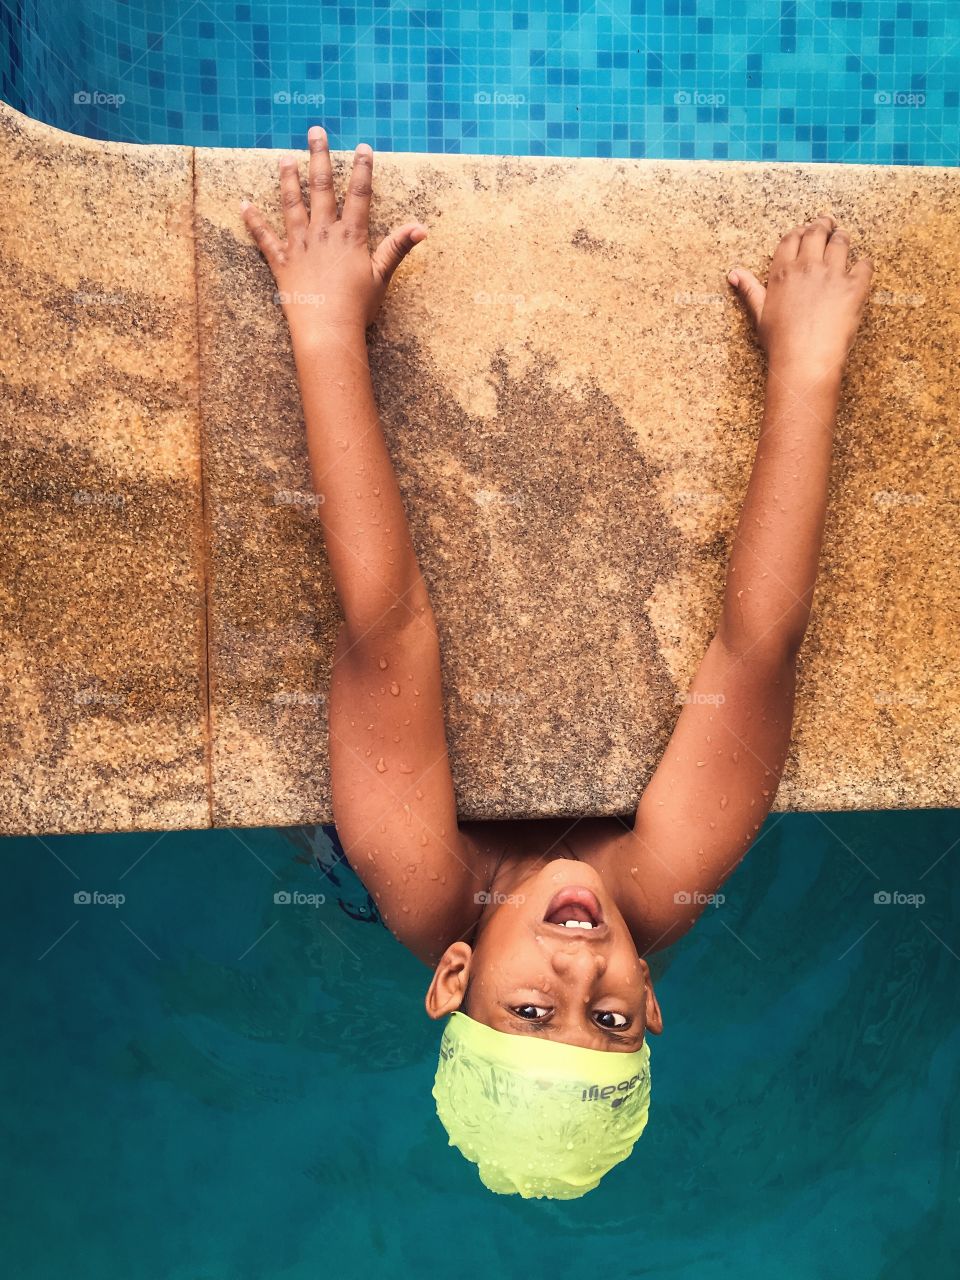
[(446, 991), (652, 1015)]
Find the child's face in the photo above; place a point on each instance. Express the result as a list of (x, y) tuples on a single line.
[(531, 974)]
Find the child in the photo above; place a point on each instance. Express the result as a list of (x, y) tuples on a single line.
[(537, 930)]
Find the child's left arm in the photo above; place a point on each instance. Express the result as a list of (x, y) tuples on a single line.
[(721, 769)]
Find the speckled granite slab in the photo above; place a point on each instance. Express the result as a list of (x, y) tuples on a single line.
[(102, 703), (571, 399)]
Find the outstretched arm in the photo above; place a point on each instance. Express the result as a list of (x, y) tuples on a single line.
[(721, 769), (393, 796)]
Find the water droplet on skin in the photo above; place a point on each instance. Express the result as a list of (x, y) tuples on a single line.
[(418, 793), (443, 879), (443, 832), (396, 737), (406, 909), (766, 793), (723, 802), (409, 817), (407, 721), (383, 689), (736, 757), (406, 768), (433, 875), (701, 763), (752, 803), (376, 491), (411, 868), (713, 824), (416, 692), (424, 840), (395, 689), (369, 857), (368, 751), (389, 882), (383, 826), (381, 765), (383, 664)]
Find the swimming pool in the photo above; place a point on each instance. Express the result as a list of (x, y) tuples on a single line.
[(830, 80), (205, 1080)]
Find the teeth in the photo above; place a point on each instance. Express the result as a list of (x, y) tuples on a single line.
[(578, 924)]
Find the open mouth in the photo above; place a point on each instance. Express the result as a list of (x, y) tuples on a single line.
[(574, 908)]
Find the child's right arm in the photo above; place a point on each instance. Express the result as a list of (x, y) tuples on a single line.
[(393, 795)]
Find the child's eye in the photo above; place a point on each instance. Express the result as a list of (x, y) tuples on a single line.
[(530, 1011), (613, 1021)]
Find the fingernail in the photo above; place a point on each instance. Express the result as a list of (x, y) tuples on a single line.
[(733, 277), (244, 205)]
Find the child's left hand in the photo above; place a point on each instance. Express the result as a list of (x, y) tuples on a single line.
[(327, 279)]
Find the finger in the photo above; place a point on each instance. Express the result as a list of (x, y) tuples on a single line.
[(786, 250), (815, 235), (356, 203), (393, 248), (323, 197), (750, 291), (838, 246), (260, 229), (291, 199), (862, 272)]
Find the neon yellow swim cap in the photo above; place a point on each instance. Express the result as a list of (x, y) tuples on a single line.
[(538, 1117)]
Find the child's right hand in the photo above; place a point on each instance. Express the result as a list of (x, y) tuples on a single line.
[(807, 317), (327, 279)]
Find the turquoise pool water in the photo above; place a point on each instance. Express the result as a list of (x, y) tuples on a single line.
[(203, 1083)]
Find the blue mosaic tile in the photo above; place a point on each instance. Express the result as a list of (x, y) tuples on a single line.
[(867, 82)]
